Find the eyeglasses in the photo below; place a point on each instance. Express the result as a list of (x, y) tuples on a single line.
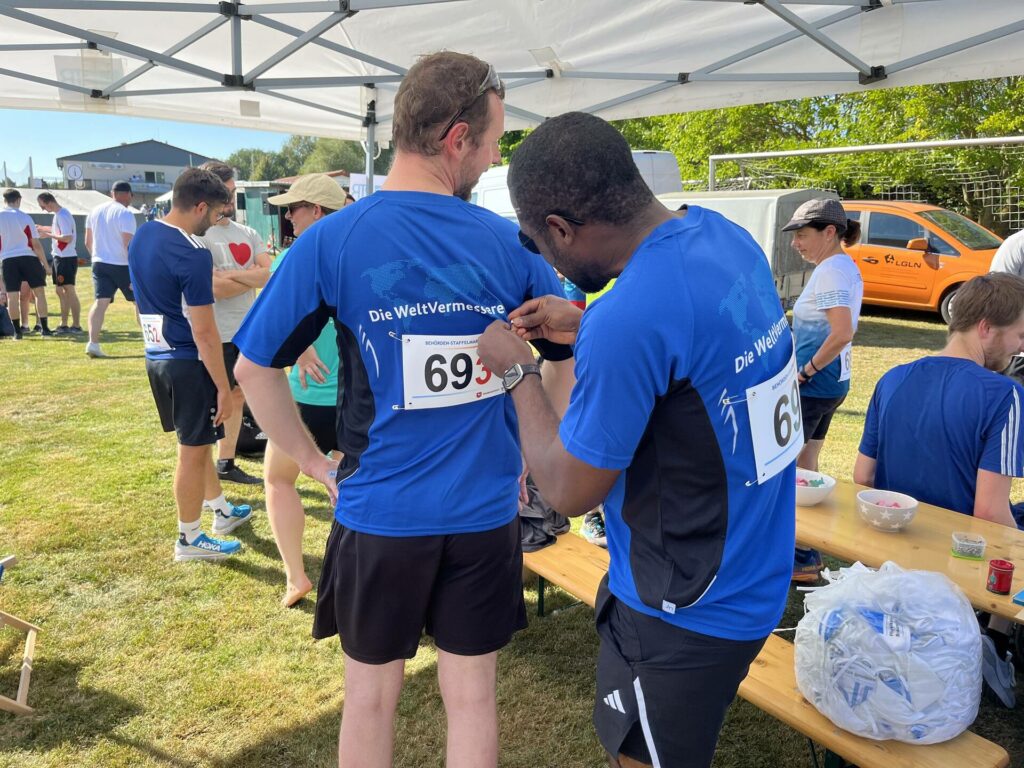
[(527, 242), (293, 207), (491, 83)]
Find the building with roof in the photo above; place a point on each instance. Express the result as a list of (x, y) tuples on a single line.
[(150, 166)]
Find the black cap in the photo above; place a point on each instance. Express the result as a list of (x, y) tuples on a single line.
[(819, 211), (122, 186)]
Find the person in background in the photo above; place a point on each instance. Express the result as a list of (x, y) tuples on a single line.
[(348, 199), (108, 231), (23, 263), (1009, 258), (63, 232), (825, 320)]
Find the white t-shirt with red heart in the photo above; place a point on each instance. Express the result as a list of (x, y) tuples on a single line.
[(233, 246)]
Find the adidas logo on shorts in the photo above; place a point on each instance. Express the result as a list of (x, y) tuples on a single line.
[(614, 701)]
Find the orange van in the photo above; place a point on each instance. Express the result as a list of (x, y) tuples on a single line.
[(891, 253)]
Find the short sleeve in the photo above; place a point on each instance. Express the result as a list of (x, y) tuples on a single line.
[(195, 272), (127, 222), (869, 439), (296, 304), (622, 367), (255, 243), (1010, 257), (1002, 447), (31, 231), (832, 289)]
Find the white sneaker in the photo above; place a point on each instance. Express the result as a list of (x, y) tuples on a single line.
[(240, 513), (204, 547), (92, 349)]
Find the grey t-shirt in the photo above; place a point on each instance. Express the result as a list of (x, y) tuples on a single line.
[(233, 247), (1010, 256)]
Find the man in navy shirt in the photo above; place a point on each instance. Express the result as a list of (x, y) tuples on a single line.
[(426, 532), (172, 274), (684, 421), (946, 429)]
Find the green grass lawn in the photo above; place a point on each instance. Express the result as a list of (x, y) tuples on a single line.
[(144, 662)]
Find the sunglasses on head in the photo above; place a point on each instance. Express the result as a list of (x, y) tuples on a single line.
[(491, 83), (527, 242)]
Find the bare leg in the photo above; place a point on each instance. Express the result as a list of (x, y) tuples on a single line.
[(25, 301), (188, 488), (41, 312), (808, 458), (226, 445), (367, 737), (287, 520), (74, 305), (468, 689), (211, 483), (625, 762), (96, 315), (62, 297)]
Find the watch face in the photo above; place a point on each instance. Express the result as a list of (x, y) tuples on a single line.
[(511, 376)]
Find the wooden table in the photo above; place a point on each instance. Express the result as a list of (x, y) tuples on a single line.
[(835, 527)]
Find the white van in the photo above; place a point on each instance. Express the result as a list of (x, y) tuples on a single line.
[(659, 169), (763, 213)]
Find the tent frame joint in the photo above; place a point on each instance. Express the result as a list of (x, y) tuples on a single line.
[(877, 75), (683, 78), (98, 94), (237, 81)]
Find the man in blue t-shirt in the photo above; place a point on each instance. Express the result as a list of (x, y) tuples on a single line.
[(426, 533), (684, 421), (946, 429), (172, 275)]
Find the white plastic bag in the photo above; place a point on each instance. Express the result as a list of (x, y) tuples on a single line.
[(891, 654)]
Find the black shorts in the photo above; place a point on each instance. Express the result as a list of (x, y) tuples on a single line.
[(817, 413), (108, 279), (322, 423), (65, 268), (662, 691), (230, 358), (23, 269), (186, 399), (380, 592)]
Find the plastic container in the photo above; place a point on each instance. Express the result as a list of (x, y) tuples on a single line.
[(886, 510), (812, 487), (970, 546)]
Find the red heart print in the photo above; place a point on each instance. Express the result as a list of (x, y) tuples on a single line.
[(241, 251)]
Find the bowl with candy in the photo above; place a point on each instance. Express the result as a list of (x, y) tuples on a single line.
[(812, 487), (886, 510)]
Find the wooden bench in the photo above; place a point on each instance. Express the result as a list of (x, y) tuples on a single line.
[(577, 566), (19, 704)]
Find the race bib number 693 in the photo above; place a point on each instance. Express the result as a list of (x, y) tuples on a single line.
[(775, 423), (440, 371)]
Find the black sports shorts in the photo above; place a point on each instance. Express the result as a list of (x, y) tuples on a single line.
[(379, 593), (322, 423), (186, 399), (23, 269), (65, 268), (817, 413)]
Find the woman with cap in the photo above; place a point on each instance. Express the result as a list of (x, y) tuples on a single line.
[(824, 322), (314, 383)]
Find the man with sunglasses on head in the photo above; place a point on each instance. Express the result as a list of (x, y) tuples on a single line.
[(172, 274), (426, 532), (684, 421)]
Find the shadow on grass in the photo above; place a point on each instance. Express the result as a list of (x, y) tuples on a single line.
[(65, 712)]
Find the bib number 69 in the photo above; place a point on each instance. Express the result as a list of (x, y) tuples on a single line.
[(787, 415)]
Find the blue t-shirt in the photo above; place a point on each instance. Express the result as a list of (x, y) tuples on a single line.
[(835, 282), (663, 365), (933, 423), (168, 266), (408, 277)]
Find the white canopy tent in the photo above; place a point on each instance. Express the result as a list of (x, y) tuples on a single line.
[(331, 68)]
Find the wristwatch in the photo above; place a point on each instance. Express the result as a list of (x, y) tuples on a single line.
[(510, 379)]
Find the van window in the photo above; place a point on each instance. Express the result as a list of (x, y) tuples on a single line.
[(891, 231), (963, 229)]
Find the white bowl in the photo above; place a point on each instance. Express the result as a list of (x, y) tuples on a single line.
[(886, 518), (809, 495)]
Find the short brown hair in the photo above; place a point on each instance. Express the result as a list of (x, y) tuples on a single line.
[(223, 171), (195, 186), (997, 297), (46, 197), (432, 92)]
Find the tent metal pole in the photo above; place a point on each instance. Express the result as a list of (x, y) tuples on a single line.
[(810, 31), (112, 5), (46, 81), (371, 149), (44, 47), (236, 46), (313, 105), (938, 53), (323, 82), (331, 46), (776, 77), (110, 43), (300, 42), (595, 108), (179, 46), (174, 91)]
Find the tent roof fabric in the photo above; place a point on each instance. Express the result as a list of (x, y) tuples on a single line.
[(302, 66), (79, 201), (149, 152)]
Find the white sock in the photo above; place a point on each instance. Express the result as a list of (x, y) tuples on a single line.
[(190, 530), (220, 504)]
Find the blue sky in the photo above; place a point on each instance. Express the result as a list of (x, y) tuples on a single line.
[(45, 136)]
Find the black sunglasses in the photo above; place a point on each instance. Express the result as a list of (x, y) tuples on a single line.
[(491, 83), (293, 207), (527, 242)]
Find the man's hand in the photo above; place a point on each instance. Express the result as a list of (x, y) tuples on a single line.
[(499, 348), (324, 470), (548, 317), (310, 365), (225, 405)]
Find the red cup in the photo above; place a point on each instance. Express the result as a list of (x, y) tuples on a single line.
[(1000, 576)]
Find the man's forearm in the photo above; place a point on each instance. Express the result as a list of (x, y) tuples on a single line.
[(226, 288), (252, 278), (270, 400), (212, 354)]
